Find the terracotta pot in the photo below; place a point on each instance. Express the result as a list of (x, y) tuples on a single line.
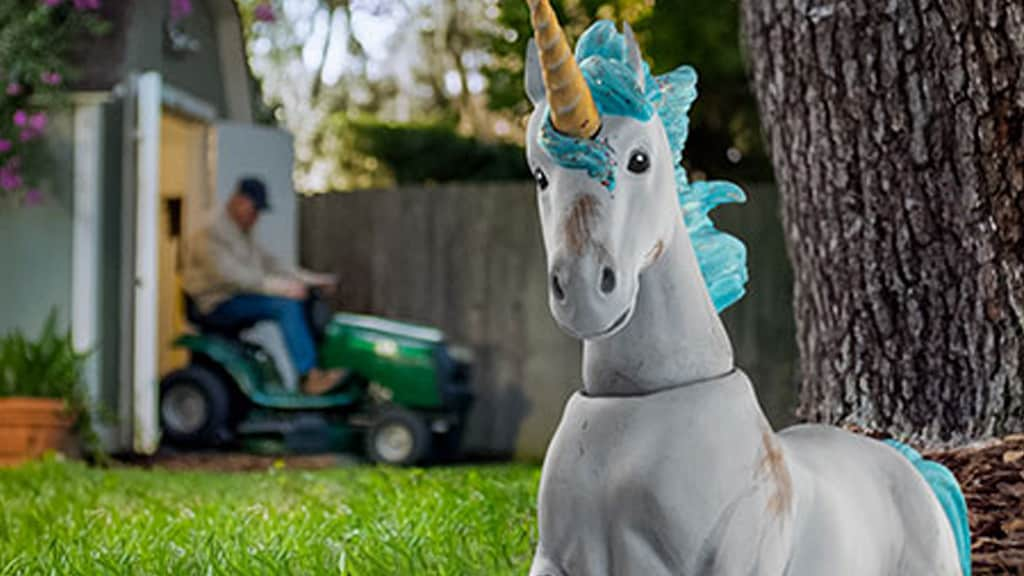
[(31, 426)]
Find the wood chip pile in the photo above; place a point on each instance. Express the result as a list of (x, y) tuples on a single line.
[(992, 476)]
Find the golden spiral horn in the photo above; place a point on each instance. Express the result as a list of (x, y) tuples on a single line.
[(573, 111)]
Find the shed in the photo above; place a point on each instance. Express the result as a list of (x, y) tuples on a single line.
[(160, 129)]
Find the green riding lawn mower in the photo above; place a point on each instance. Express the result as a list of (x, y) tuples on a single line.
[(404, 397)]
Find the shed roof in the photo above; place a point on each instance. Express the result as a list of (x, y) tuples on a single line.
[(217, 72)]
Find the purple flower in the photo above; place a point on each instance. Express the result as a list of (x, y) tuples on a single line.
[(180, 9), (87, 4), (32, 126), (10, 179), (29, 134), (13, 89), (37, 121), (5, 145), (33, 197), (50, 78), (264, 12)]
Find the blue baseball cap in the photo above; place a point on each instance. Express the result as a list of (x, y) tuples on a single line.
[(254, 189)]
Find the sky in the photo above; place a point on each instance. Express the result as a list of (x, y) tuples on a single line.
[(372, 30)]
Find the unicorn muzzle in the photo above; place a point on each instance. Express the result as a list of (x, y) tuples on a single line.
[(588, 296)]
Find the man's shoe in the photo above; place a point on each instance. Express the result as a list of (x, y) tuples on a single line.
[(320, 381)]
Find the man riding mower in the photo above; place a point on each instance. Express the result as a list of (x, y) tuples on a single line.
[(235, 280), (401, 386)]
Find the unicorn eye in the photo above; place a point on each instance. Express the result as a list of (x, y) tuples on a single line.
[(542, 178), (639, 162)]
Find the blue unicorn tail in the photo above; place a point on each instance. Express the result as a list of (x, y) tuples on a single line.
[(947, 490)]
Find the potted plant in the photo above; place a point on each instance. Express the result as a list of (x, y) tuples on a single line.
[(42, 403)]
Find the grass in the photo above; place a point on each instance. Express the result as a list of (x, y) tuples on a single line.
[(66, 518)]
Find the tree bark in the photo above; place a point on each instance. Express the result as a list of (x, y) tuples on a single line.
[(896, 130)]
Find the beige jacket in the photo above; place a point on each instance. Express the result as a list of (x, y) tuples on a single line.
[(222, 261)]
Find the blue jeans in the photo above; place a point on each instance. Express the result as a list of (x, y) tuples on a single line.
[(289, 314)]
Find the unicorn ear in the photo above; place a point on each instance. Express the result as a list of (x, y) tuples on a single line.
[(534, 77), (636, 63)]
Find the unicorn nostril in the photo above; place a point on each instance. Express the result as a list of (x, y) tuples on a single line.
[(607, 280), (556, 288)]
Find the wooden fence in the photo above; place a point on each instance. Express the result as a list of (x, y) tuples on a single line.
[(469, 259)]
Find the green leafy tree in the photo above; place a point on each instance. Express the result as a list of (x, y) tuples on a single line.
[(725, 136), (290, 62), (434, 152)]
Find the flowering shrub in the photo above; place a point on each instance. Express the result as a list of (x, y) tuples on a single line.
[(263, 12), (180, 9), (35, 41), (35, 38)]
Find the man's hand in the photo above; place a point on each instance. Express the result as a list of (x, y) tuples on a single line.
[(296, 290), (286, 288), (317, 279), (328, 283)]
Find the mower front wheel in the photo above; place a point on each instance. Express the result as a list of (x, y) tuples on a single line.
[(398, 437), (195, 407)]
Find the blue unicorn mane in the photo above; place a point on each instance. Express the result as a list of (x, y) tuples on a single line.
[(603, 58)]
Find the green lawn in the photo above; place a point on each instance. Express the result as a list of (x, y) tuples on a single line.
[(65, 518)]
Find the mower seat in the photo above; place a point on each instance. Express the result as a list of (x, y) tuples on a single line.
[(207, 326)]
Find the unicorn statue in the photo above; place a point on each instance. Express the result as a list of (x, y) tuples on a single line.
[(664, 464)]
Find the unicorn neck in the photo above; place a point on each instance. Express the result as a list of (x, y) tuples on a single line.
[(674, 338)]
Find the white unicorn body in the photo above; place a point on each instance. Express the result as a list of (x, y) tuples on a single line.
[(664, 463), (691, 481)]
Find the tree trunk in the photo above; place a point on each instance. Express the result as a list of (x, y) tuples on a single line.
[(896, 129)]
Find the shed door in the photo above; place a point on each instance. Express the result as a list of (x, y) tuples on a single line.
[(141, 255)]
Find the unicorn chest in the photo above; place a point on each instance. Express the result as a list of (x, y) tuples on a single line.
[(628, 489)]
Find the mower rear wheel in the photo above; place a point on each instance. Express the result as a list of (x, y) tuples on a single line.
[(194, 407), (398, 437)]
